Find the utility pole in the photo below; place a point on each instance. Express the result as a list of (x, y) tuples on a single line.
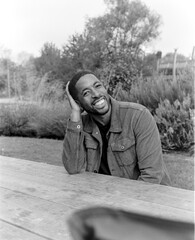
[(8, 80), (193, 63), (174, 66), (158, 56), (15, 87)]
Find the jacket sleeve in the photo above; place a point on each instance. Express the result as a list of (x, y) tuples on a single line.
[(148, 148), (73, 155)]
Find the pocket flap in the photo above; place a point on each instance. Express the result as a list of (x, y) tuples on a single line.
[(90, 143), (122, 145)]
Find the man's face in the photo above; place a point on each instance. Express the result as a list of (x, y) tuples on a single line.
[(92, 95)]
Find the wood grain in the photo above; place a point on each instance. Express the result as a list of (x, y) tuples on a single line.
[(40, 198)]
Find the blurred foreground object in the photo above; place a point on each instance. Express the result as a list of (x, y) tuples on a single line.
[(101, 223)]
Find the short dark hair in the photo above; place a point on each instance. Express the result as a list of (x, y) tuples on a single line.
[(74, 80)]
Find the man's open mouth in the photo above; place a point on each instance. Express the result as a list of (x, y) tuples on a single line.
[(100, 102)]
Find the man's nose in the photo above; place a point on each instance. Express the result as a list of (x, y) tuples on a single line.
[(95, 93)]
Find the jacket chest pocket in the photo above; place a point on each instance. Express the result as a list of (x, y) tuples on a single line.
[(91, 147), (124, 151)]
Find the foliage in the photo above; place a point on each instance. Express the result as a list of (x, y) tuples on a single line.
[(44, 120), (51, 121), (112, 45), (175, 124), (7, 67), (50, 89), (49, 60), (3, 82), (149, 64), (170, 102), (31, 80), (152, 90), (123, 32), (23, 78), (48, 120), (3, 74), (15, 120)]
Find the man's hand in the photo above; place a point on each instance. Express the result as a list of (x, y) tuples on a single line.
[(76, 110)]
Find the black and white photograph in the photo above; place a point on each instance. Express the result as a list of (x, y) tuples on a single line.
[(97, 118)]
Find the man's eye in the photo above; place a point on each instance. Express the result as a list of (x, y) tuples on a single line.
[(85, 93), (98, 85)]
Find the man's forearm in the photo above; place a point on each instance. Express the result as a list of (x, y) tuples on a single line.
[(149, 151), (73, 155)]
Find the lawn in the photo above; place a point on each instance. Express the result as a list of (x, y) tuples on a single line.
[(180, 165)]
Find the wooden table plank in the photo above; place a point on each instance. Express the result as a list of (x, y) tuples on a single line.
[(71, 196), (13, 232), (40, 197), (34, 214), (112, 186), (55, 172)]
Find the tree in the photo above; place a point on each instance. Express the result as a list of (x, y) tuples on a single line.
[(49, 60), (150, 64), (125, 30), (112, 44), (81, 52), (7, 77)]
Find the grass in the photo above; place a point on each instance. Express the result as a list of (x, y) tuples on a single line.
[(181, 169), (180, 165), (34, 149)]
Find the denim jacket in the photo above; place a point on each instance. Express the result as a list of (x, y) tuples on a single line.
[(134, 146)]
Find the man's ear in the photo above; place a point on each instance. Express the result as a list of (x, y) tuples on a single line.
[(78, 103)]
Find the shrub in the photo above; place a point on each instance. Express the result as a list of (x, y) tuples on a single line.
[(15, 119), (149, 92), (50, 89), (50, 121), (175, 124), (171, 103), (34, 120)]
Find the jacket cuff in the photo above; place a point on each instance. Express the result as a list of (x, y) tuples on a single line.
[(74, 126)]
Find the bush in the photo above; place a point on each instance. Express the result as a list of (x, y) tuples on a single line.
[(51, 120), (50, 89), (170, 103), (151, 91), (30, 120), (175, 124), (15, 120)]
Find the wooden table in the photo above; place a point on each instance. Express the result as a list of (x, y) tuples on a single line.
[(37, 198)]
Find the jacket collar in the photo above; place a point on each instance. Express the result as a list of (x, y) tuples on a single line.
[(115, 125)]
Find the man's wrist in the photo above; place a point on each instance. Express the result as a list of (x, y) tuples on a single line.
[(74, 126), (75, 116)]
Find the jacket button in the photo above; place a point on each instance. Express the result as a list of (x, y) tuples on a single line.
[(122, 147), (95, 171)]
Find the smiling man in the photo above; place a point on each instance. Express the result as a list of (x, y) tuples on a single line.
[(111, 137)]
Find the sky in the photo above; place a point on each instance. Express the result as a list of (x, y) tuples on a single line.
[(25, 25)]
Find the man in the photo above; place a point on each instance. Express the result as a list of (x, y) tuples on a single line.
[(113, 138)]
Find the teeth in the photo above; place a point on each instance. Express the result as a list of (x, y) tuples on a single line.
[(100, 102)]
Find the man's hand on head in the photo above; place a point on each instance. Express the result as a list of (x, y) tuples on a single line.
[(75, 108)]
